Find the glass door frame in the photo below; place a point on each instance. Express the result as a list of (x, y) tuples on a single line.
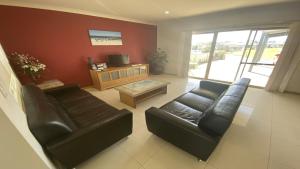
[(213, 45), (211, 54), (244, 52), (259, 53)]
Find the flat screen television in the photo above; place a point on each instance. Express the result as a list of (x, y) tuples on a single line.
[(118, 60)]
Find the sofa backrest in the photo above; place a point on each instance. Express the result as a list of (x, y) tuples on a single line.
[(43, 118), (220, 115)]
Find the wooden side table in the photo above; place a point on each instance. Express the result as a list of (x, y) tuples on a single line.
[(50, 84)]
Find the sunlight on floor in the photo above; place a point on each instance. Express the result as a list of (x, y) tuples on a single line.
[(243, 115)]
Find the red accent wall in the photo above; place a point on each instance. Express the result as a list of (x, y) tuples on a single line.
[(61, 41)]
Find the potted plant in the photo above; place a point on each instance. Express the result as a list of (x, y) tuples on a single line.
[(29, 65), (157, 62)]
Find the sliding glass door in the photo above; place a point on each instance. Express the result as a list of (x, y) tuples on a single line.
[(258, 64), (200, 52), (226, 56)]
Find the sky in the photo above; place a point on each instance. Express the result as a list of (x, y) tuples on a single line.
[(104, 33)]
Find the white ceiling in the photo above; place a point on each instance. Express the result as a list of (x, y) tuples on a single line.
[(145, 11)]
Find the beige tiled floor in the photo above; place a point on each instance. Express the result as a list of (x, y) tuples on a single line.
[(265, 134)]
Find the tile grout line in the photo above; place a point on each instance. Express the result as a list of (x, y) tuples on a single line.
[(152, 156), (270, 142), (141, 166)]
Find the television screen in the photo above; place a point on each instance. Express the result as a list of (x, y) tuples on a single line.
[(118, 60)]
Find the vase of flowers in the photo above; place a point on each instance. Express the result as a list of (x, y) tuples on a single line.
[(29, 65)]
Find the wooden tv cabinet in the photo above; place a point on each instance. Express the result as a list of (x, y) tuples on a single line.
[(117, 76)]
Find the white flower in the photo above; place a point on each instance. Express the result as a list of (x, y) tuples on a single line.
[(29, 64), (25, 66)]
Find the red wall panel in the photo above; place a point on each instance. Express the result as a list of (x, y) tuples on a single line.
[(61, 41)]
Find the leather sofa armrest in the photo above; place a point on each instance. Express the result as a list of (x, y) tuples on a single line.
[(215, 87), (86, 142), (177, 121), (81, 132), (61, 89)]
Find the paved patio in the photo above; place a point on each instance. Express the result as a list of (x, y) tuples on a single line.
[(225, 70)]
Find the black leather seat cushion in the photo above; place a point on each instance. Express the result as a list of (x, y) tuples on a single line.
[(183, 111), (195, 101), (227, 106), (85, 109), (220, 116), (72, 95), (53, 102), (205, 93), (218, 88)]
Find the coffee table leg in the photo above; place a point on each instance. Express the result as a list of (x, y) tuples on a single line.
[(127, 100)]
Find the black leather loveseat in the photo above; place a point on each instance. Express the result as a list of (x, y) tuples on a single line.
[(71, 124), (197, 120)]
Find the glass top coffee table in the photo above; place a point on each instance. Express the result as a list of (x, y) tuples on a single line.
[(133, 93)]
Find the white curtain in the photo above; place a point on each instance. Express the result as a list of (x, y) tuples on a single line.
[(288, 62), (184, 54)]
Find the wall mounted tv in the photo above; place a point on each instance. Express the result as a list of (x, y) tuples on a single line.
[(118, 60)]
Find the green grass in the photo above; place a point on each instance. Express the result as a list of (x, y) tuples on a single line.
[(269, 54)]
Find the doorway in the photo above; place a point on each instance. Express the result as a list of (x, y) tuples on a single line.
[(227, 56)]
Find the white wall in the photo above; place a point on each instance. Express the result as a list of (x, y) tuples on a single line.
[(15, 152), (16, 124), (281, 13), (170, 32), (170, 41)]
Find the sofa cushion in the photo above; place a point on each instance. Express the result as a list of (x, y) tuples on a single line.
[(42, 118), (85, 109), (183, 111), (72, 95), (215, 87), (60, 111), (227, 107), (205, 93), (220, 115), (195, 101)]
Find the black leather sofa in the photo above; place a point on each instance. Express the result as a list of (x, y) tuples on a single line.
[(71, 124), (197, 120)]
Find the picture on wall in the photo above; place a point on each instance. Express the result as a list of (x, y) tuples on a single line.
[(105, 37)]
